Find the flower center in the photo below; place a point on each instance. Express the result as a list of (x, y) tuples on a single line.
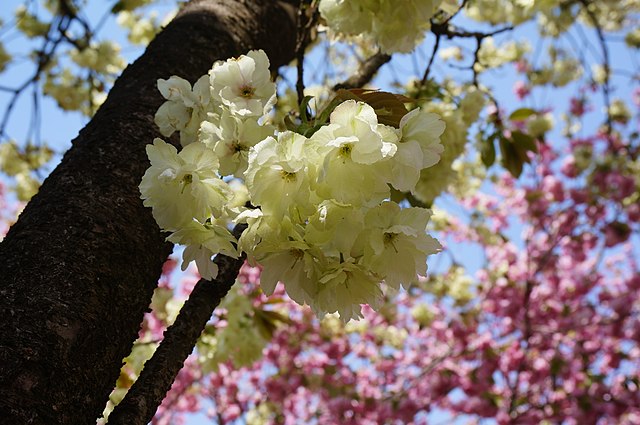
[(345, 150), (237, 147), (247, 91), (287, 176), (186, 181), (296, 253), (389, 239)]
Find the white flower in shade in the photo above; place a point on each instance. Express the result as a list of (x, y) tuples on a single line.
[(244, 84), (258, 228), (472, 104), (176, 89), (419, 147), (343, 288), (619, 111), (182, 186), (346, 16), (334, 228), (395, 27), (278, 176), (394, 244), (184, 109), (202, 241), (401, 28), (356, 124), (277, 245), (352, 145), (434, 180), (260, 235), (295, 265), (425, 129), (172, 116), (231, 138), (539, 124), (237, 338), (238, 202)]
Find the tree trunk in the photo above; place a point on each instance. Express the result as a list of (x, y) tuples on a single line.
[(79, 267)]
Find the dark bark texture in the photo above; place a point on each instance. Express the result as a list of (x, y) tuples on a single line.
[(146, 394), (78, 269)]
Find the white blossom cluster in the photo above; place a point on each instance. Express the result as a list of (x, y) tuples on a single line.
[(394, 26), (323, 223)]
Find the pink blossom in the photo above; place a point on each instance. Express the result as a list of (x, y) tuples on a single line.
[(521, 89)]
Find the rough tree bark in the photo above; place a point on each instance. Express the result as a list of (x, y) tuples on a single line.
[(79, 267)]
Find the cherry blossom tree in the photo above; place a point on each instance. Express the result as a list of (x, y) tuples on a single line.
[(310, 204)]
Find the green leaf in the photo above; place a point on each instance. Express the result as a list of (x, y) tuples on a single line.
[(306, 129), (265, 327), (511, 159), (522, 144), (266, 322), (488, 151), (520, 138), (323, 117), (275, 316), (521, 114), (289, 124), (305, 111), (118, 7)]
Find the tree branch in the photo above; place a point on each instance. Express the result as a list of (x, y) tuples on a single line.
[(146, 394), (436, 45), (451, 31), (444, 29), (365, 73)]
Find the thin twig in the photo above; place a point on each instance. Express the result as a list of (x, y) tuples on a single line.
[(300, 45), (365, 73), (307, 18), (606, 88), (451, 31), (425, 76), (476, 60), (462, 6), (57, 34)]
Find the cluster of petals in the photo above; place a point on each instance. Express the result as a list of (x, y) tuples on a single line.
[(218, 121), (322, 221), (326, 227), (392, 26)]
